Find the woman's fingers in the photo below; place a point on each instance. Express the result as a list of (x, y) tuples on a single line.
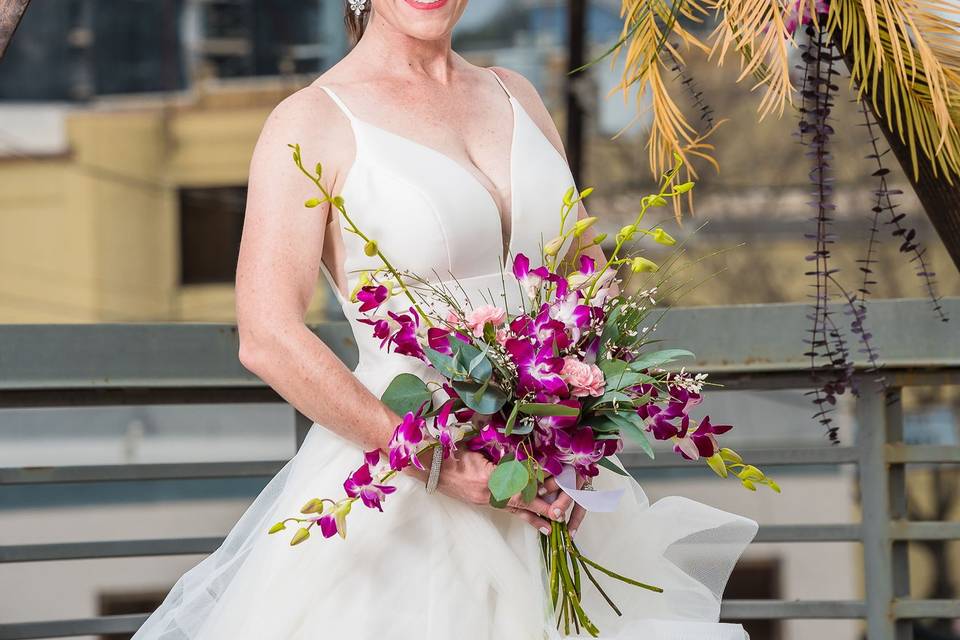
[(543, 526), (538, 506), (576, 517)]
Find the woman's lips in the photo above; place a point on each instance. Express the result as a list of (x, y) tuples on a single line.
[(436, 4)]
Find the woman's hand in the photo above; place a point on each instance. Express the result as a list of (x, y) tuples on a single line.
[(552, 493), (465, 477)]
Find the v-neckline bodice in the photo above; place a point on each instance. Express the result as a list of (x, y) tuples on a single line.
[(505, 223)]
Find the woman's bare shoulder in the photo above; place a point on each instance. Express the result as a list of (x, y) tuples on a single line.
[(310, 118), (528, 96)]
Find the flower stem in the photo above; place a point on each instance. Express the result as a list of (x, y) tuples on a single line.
[(338, 204)]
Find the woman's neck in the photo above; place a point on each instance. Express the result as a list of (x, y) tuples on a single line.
[(392, 51)]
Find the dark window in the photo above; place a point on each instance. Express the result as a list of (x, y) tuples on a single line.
[(211, 221), (117, 604), (756, 580)]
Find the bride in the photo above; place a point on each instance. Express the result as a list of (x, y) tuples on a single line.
[(453, 168)]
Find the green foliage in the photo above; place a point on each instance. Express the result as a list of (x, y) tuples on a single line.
[(406, 393)]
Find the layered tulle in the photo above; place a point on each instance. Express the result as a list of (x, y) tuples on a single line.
[(433, 568)]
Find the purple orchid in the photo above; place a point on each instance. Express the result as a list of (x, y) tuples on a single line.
[(371, 297), (550, 332), (530, 279), (538, 369), (702, 441), (492, 443), (360, 483), (571, 313), (404, 340), (404, 443), (580, 450)]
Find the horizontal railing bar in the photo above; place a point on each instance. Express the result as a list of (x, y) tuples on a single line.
[(97, 396), (792, 609), (781, 533), (922, 453), (902, 530), (127, 472), (762, 457), (69, 628), (913, 609), (108, 549), (730, 610)]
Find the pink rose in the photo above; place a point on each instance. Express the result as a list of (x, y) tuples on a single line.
[(584, 379), (480, 316)]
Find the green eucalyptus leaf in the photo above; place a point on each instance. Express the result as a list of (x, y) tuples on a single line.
[(444, 364), (482, 398), (508, 479), (471, 359), (530, 491), (406, 393), (548, 409), (658, 358), (512, 419), (630, 427), (609, 464)]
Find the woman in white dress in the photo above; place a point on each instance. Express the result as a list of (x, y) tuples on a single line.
[(451, 167)]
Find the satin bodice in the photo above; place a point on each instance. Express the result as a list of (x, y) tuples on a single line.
[(431, 216)]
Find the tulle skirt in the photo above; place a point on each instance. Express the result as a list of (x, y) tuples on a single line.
[(433, 568)]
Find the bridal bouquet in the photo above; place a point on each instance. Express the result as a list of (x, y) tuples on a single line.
[(551, 389)]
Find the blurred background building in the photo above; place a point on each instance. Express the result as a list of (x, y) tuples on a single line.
[(126, 130)]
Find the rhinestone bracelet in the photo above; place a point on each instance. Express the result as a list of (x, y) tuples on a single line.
[(434, 476)]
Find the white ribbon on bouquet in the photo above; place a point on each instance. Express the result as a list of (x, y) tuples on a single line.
[(598, 501)]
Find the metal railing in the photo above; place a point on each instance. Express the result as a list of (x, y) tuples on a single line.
[(744, 348)]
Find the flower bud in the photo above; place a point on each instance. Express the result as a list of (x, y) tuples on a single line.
[(718, 465), (683, 187), (655, 201), (553, 247), (583, 225), (312, 506), (312, 202), (568, 196), (599, 238), (748, 485), (277, 528), (662, 237), (586, 192), (302, 534), (370, 248), (642, 265), (730, 455), (319, 170), (626, 233)]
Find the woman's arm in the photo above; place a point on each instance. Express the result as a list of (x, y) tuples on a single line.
[(280, 254)]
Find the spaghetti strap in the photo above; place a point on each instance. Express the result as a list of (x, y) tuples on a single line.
[(336, 99), (500, 81)]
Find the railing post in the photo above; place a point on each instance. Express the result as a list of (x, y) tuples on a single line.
[(301, 425), (882, 497), (898, 509)]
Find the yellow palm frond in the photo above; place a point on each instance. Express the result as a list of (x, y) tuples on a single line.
[(910, 77), (756, 29), (646, 49)]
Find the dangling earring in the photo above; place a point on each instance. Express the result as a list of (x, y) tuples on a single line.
[(358, 6)]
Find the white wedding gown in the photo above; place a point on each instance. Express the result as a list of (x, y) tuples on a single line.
[(430, 567)]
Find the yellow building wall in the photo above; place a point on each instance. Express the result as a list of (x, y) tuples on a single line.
[(93, 236)]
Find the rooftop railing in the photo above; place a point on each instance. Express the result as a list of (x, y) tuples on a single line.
[(742, 347)]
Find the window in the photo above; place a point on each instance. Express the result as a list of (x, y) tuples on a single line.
[(211, 221), (756, 580), (115, 604)]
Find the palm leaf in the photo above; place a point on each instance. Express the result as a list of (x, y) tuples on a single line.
[(911, 83)]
